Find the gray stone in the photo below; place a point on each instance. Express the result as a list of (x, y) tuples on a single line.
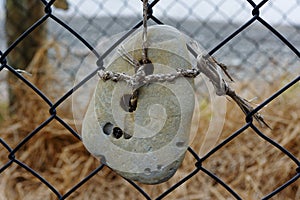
[(148, 144)]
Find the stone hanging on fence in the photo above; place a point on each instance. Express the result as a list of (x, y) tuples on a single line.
[(143, 138)]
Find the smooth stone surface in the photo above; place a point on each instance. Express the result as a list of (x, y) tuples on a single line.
[(149, 144)]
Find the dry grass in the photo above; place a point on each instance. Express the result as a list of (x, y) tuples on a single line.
[(248, 164)]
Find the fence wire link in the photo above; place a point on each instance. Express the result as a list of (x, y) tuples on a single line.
[(49, 15)]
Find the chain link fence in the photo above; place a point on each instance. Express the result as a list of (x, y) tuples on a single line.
[(258, 40)]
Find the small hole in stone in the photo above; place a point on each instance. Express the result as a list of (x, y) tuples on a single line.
[(117, 132), (127, 136), (107, 128), (147, 171), (159, 167), (148, 66), (171, 169), (179, 144)]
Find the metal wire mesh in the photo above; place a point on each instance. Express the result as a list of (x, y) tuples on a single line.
[(229, 39)]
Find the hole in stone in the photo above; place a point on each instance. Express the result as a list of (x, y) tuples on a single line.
[(147, 171), (107, 128), (148, 66), (171, 169), (180, 144), (159, 167), (127, 136), (117, 132)]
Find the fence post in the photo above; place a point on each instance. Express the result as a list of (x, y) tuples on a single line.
[(20, 15)]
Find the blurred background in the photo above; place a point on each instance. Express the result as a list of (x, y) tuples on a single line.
[(259, 62), (254, 53)]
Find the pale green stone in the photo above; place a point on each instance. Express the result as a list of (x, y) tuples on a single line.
[(157, 132)]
